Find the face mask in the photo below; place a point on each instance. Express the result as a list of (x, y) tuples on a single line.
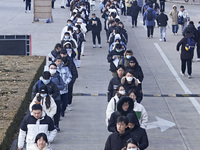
[(69, 24), (122, 92), (128, 56), (52, 71), (118, 50), (94, 18), (108, 8), (132, 149), (46, 81), (129, 78), (43, 95), (66, 37), (115, 2)]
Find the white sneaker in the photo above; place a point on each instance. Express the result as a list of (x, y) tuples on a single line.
[(198, 59), (182, 73), (69, 107), (29, 11), (160, 40), (94, 46), (100, 46), (189, 76)]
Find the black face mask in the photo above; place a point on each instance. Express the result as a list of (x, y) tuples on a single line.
[(65, 60)]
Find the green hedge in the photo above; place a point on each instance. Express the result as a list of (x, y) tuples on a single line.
[(14, 126)]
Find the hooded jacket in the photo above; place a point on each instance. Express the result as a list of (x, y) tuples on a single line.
[(151, 22), (51, 111), (139, 133), (133, 86), (113, 84), (111, 107), (136, 70), (31, 126), (134, 10), (52, 89), (120, 112), (191, 28), (173, 14), (66, 76), (185, 54), (117, 141)]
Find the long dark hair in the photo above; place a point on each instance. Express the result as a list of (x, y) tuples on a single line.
[(47, 102)]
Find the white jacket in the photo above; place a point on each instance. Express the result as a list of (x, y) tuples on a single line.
[(184, 14), (30, 127), (51, 111), (141, 114), (111, 107), (34, 147)]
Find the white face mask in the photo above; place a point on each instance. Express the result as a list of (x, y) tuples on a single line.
[(132, 149), (129, 78), (122, 92), (52, 71)]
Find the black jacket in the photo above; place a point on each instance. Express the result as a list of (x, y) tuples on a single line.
[(132, 86), (120, 112), (134, 10), (113, 84), (162, 20), (137, 71), (97, 27), (191, 28), (52, 89), (185, 54), (113, 68), (117, 141), (138, 132), (198, 35)]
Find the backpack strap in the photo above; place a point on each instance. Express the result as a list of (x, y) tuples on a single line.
[(39, 84)]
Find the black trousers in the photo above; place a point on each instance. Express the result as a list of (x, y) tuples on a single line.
[(189, 66), (134, 21), (162, 6), (28, 4), (94, 35), (70, 94), (52, 4), (79, 52), (198, 49), (56, 117), (150, 30)]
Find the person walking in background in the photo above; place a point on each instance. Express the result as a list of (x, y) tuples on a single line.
[(134, 11), (173, 14), (162, 23), (162, 5), (96, 27), (183, 18), (187, 52), (27, 6), (149, 19), (198, 42), (52, 4)]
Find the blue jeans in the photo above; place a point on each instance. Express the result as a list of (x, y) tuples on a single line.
[(64, 100), (174, 28)]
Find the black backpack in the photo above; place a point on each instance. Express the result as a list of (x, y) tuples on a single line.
[(150, 15), (180, 20), (190, 44)]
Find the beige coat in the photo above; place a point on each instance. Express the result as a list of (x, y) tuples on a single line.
[(128, 3), (173, 14)]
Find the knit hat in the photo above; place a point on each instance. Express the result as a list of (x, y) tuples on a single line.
[(132, 60), (173, 6)]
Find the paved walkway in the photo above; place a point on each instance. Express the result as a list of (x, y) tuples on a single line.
[(84, 127)]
